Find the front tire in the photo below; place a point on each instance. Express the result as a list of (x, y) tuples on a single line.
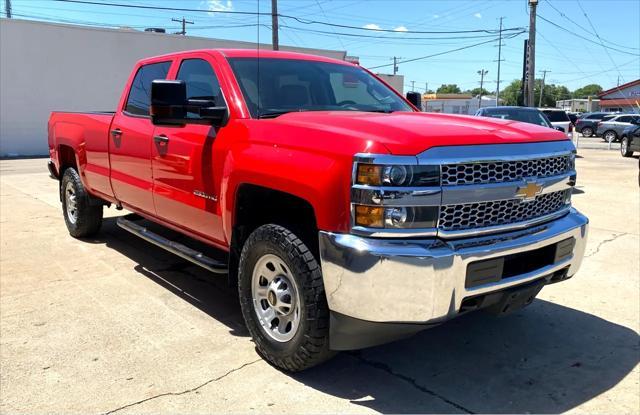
[(81, 216), (587, 131), (625, 148), (282, 299)]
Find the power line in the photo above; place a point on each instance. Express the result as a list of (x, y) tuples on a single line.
[(298, 19), (582, 27), (444, 52), (586, 39), (598, 36)]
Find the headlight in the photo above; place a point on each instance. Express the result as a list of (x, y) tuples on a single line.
[(397, 175), (396, 217)]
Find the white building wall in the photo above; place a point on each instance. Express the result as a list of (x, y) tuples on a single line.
[(465, 106), (46, 67)]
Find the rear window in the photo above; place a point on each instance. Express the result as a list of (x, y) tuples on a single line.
[(594, 116), (515, 114), (607, 117), (556, 116), (139, 98)]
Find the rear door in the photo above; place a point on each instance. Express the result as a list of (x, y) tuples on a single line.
[(186, 192), (131, 139)]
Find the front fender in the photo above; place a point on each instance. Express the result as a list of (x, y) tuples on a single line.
[(321, 179)]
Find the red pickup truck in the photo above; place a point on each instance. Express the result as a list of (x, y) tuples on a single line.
[(347, 218)]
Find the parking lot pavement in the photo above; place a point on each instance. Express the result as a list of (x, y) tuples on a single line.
[(113, 324)]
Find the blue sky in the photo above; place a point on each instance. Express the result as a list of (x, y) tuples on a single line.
[(573, 59)]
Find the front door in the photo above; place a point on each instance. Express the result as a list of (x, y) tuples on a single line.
[(130, 142), (185, 190)]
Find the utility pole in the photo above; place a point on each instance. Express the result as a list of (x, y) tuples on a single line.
[(531, 70), (482, 73), (7, 8), (499, 61), (184, 25), (426, 87), (395, 65), (274, 25), (413, 87), (544, 77)]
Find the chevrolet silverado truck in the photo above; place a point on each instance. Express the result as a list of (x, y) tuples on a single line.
[(345, 217)]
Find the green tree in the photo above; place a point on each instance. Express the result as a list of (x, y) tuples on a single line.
[(448, 89), (511, 94), (587, 90), (477, 91)]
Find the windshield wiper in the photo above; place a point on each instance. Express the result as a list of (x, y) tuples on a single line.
[(274, 114)]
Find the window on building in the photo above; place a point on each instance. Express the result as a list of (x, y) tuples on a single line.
[(139, 98)]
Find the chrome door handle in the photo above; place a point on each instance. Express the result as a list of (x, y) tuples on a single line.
[(116, 132)]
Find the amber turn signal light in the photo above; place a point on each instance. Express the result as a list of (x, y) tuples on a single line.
[(369, 216), (369, 174)]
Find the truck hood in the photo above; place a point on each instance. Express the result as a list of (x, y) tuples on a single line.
[(410, 133)]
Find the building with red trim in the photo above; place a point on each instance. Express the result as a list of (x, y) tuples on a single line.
[(623, 98)]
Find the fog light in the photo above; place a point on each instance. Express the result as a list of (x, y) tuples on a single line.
[(369, 216)]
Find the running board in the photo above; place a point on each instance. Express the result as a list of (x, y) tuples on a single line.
[(180, 250)]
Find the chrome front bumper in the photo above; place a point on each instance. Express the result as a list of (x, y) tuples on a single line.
[(423, 281)]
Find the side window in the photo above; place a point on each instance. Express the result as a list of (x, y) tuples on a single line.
[(140, 94), (201, 82), (624, 119)]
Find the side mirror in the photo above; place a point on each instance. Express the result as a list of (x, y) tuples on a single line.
[(415, 98), (170, 106), (560, 129), (168, 99)]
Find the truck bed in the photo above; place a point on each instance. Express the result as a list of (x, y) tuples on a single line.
[(85, 134)]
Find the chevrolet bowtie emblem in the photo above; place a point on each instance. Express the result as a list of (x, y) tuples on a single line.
[(529, 191)]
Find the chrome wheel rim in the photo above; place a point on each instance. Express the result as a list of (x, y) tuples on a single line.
[(71, 202), (609, 136), (623, 146), (275, 298), (587, 132)]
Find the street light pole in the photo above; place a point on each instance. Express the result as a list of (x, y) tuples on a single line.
[(482, 73)]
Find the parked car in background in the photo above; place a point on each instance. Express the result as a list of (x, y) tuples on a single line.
[(611, 130), (573, 116), (630, 140), (558, 118), (523, 114), (587, 123)]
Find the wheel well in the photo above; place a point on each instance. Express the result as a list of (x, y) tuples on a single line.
[(66, 158), (256, 206)]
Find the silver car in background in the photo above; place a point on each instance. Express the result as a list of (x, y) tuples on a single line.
[(611, 130)]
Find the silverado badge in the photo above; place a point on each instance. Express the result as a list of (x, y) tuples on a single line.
[(529, 191)]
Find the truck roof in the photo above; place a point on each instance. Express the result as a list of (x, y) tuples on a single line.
[(253, 53)]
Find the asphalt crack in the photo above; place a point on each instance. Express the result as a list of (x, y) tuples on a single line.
[(605, 241), (411, 381), (184, 392)]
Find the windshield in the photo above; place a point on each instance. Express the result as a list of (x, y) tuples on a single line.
[(556, 116), (288, 85), (516, 114)]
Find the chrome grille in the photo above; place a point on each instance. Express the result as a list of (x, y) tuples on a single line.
[(500, 212), (503, 171)]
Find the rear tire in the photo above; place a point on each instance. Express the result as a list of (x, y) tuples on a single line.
[(609, 135), (587, 131), (82, 217), (282, 299), (625, 148)]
